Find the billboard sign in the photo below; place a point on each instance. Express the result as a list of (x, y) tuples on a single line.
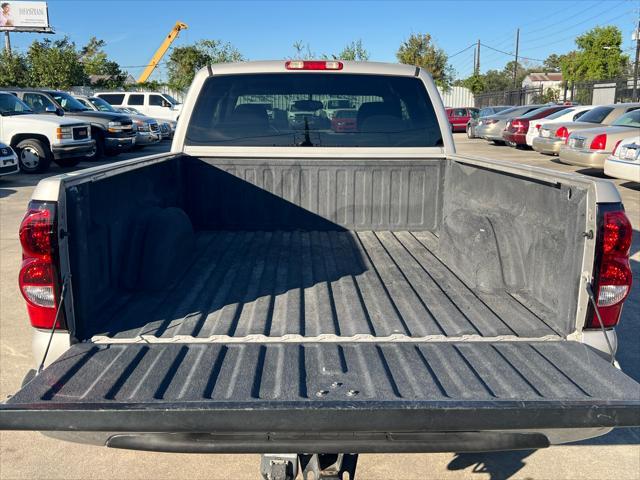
[(24, 16)]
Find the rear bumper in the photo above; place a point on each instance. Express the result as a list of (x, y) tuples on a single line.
[(548, 146), (387, 442), (78, 149), (517, 138), (582, 158), (623, 170)]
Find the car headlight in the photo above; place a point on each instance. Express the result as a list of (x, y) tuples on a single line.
[(6, 152), (64, 133), (116, 126), (142, 125)]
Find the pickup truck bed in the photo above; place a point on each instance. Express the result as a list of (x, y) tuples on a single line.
[(307, 284), (291, 293)]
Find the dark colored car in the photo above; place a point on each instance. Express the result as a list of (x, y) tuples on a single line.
[(113, 132), (345, 121), (515, 133), (459, 117)]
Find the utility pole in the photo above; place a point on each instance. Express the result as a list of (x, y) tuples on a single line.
[(7, 43), (478, 56), (515, 65), (475, 63), (634, 95)]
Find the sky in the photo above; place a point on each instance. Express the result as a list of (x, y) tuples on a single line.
[(262, 30)]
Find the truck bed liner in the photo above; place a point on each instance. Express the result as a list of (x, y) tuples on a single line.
[(325, 387), (338, 283)]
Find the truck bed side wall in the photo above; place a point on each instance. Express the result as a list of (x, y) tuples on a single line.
[(499, 232)]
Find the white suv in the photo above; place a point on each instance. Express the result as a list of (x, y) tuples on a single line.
[(38, 139), (153, 104)]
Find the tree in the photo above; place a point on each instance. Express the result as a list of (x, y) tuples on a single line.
[(420, 50), (95, 62), (185, 61), (55, 64), (354, 51), (475, 83), (13, 69), (552, 63), (598, 56)]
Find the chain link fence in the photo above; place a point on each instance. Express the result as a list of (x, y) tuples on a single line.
[(517, 96)]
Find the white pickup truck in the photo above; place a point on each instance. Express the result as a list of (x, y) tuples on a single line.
[(38, 139), (269, 289)]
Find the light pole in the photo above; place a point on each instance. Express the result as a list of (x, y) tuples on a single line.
[(636, 34)]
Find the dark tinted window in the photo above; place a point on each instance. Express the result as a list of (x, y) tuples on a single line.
[(101, 105), (156, 101), (112, 98), (390, 111), (68, 103), (631, 119), (597, 115), (37, 101), (135, 99)]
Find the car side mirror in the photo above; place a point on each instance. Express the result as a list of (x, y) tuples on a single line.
[(60, 112)]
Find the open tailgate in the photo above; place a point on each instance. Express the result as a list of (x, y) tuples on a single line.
[(272, 389)]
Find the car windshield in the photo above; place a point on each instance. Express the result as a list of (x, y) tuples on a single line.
[(630, 119), (537, 111), (346, 114), (68, 103), (597, 115), (392, 111), (170, 99), (333, 104), (12, 105), (101, 105), (559, 113)]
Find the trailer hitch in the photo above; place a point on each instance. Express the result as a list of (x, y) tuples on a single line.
[(313, 466)]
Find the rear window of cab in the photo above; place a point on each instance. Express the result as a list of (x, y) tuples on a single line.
[(290, 110)]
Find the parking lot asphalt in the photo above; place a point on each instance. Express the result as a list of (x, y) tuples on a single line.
[(30, 455)]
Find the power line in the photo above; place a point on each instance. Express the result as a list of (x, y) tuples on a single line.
[(580, 23), (574, 35), (511, 54), (462, 51)]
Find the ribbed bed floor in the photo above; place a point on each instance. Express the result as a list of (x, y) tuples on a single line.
[(314, 283)]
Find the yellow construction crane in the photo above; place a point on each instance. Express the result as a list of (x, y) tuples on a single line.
[(155, 60)]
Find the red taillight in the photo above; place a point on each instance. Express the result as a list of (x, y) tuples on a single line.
[(563, 133), (37, 278), (599, 142), (312, 65), (537, 127), (614, 273), (36, 234), (615, 149), (520, 126)]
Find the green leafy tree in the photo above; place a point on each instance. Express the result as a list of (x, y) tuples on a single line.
[(13, 69), (552, 63), (420, 50), (96, 62), (598, 56), (55, 64), (354, 51), (475, 83), (185, 61)]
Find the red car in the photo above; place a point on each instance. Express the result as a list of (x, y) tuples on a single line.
[(459, 117), (344, 121), (515, 133)]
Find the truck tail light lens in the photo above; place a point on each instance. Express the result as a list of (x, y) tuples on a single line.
[(312, 65), (614, 278), (38, 275), (599, 142), (563, 133)]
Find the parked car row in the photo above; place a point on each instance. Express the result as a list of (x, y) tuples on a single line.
[(602, 137), (44, 125)]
